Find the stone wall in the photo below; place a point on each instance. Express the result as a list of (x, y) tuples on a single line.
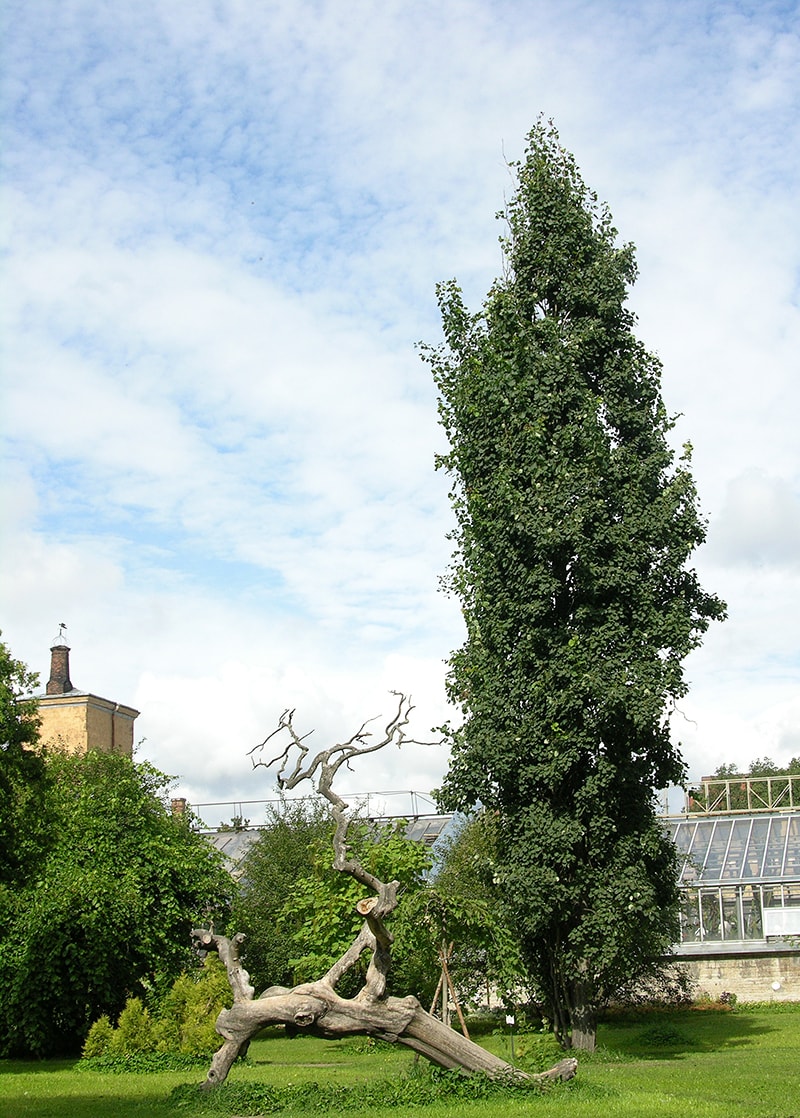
[(752, 978)]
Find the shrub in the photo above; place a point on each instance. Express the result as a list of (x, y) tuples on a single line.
[(538, 1051), (134, 1031), (187, 1015), (664, 1035), (182, 1023), (99, 1039)]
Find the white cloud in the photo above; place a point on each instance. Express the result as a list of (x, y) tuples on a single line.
[(224, 227), (759, 524)]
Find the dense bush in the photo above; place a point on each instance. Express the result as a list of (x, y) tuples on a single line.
[(108, 911), (182, 1022)]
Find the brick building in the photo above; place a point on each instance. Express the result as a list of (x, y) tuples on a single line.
[(76, 720)]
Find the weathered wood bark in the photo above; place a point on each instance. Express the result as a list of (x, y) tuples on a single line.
[(315, 1007)]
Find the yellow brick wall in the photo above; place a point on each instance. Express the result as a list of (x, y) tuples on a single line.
[(78, 723), (123, 730), (64, 723)]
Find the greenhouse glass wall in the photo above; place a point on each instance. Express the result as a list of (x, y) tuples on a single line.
[(740, 877)]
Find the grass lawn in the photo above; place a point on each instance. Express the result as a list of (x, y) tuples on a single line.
[(681, 1064)]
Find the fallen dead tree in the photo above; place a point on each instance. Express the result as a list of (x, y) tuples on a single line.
[(315, 1007)]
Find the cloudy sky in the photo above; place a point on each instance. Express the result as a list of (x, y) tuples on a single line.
[(224, 223)]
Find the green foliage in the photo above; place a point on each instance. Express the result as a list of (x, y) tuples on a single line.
[(319, 918), (298, 913), (134, 1031), (574, 530), (182, 1022), (407, 1091), (186, 1017), (461, 907), (23, 780), (98, 1040), (19, 718), (663, 1035), (143, 1061), (537, 1052), (297, 831), (107, 913)]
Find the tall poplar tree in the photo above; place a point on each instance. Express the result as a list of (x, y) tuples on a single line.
[(575, 526)]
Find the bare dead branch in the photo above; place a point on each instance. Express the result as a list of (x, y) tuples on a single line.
[(228, 950), (324, 765), (315, 1007)]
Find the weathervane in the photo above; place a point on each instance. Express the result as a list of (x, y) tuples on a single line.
[(61, 636)]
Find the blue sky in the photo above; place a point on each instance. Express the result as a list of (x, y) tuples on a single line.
[(223, 226)]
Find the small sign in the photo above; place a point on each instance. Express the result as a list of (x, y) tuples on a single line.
[(782, 921), (509, 1018)]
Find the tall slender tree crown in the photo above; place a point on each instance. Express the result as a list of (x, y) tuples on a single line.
[(575, 527)]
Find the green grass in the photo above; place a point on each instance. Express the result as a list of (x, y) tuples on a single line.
[(676, 1064)]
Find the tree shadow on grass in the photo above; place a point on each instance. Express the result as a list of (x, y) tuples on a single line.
[(33, 1066), (86, 1106), (674, 1034)]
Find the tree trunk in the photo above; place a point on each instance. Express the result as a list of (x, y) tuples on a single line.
[(584, 1028), (315, 1008), (582, 1015)]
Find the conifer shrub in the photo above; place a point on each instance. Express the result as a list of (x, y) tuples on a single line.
[(181, 1024), (98, 1041)]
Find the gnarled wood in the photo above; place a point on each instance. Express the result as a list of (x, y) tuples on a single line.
[(315, 1007)]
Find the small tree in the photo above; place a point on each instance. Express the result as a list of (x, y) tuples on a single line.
[(268, 874), (107, 913), (299, 914), (316, 1007), (574, 530), (464, 910)]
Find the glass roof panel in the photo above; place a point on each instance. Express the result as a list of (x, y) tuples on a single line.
[(776, 844), (737, 848), (792, 865), (696, 854), (754, 858), (682, 836), (717, 849)]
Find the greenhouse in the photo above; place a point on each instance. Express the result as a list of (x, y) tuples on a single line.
[(738, 841), (740, 877)]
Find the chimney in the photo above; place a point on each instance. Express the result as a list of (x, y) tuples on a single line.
[(59, 682)]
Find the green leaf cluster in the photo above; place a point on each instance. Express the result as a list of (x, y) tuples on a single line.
[(298, 913), (182, 1022), (575, 527), (24, 828), (295, 831), (107, 909), (464, 912)]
